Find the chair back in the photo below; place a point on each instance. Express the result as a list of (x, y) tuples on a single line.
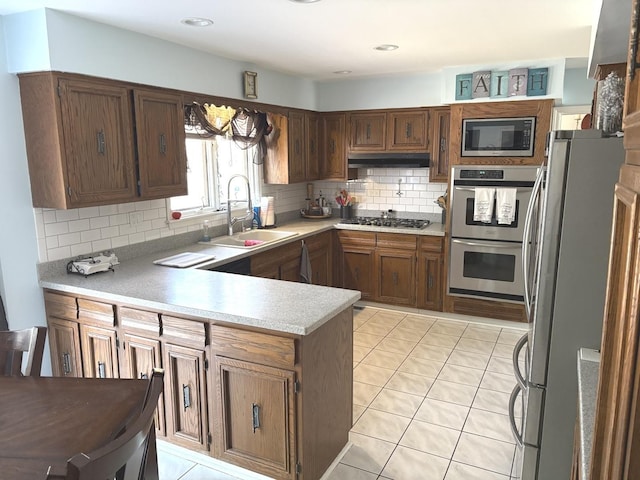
[(125, 457), (13, 343)]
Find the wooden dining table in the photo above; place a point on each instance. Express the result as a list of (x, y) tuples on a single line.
[(44, 421)]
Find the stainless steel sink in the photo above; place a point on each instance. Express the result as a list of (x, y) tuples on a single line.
[(251, 239)]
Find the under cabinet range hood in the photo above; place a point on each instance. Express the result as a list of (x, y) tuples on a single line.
[(388, 160)]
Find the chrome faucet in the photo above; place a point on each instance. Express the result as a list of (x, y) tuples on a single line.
[(232, 220)]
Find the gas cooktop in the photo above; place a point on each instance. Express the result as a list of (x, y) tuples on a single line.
[(387, 222)]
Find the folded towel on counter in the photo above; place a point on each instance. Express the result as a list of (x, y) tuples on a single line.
[(506, 205), (252, 243), (483, 204), (305, 265)]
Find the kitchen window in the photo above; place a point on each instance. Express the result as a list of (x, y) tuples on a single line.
[(210, 164)]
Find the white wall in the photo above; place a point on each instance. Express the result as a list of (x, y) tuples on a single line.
[(18, 250)]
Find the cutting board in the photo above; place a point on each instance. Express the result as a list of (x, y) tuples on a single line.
[(183, 260)]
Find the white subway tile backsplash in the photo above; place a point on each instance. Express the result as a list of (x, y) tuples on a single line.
[(101, 245), (89, 212), (68, 239), (106, 210), (79, 225), (56, 228), (98, 222), (118, 219), (81, 249), (49, 216), (58, 253), (126, 207), (90, 235), (66, 215), (109, 232), (142, 206)]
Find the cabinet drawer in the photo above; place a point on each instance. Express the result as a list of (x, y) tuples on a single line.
[(61, 306), (140, 321), (252, 346), (430, 244), (183, 331), (96, 313), (396, 240), (360, 239)]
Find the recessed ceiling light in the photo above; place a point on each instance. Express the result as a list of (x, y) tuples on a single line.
[(304, 1), (197, 22), (342, 72), (386, 47)]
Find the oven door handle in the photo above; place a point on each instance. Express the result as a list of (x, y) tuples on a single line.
[(474, 243), (525, 240), (472, 189)]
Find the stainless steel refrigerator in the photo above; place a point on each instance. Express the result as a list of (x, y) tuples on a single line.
[(566, 246)]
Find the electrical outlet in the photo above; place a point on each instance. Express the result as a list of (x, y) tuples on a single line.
[(136, 218)]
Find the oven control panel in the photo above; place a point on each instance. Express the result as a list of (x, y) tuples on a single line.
[(482, 174)]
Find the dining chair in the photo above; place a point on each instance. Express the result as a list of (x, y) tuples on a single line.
[(129, 456), (14, 343)]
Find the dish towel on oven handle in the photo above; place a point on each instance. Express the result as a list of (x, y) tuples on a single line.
[(506, 205), (483, 204)]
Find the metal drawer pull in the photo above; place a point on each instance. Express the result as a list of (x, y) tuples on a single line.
[(163, 144), (255, 411), (408, 130), (66, 363), (394, 276), (512, 417), (430, 281), (102, 371), (186, 396), (101, 142)]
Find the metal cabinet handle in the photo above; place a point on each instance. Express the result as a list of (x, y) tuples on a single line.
[(430, 282), (332, 146), (356, 273), (297, 147), (102, 371), (408, 130), (512, 416), (101, 142), (163, 144), (66, 363), (255, 415), (368, 129), (443, 144), (186, 396), (144, 376), (394, 277)]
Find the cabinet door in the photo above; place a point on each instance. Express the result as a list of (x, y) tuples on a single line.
[(162, 157), (64, 341), (98, 142), (185, 394), (312, 132), (367, 131), (631, 114), (255, 423), (439, 162), (142, 355), (289, 270), (99, 352), (429, 281), (396, 276), (408, 131), (334, 153), (320, 259), (358, 270), (296, 147)]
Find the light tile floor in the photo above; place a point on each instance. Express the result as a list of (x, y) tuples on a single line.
[(429, 403)]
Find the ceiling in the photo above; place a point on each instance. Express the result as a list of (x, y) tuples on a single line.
[(314, 40)]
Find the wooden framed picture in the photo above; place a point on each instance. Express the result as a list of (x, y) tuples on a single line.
[(250, 85)]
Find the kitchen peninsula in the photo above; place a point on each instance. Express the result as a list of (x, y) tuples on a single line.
[(258, 371)]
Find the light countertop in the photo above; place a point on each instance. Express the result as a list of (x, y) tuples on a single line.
[(282, 306), (588, 372)]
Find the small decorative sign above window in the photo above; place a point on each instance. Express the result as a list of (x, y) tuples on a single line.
[(516, 82)]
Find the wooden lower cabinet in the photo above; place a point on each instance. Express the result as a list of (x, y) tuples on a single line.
[(275, 403), (64, 334), (185, 392), (99, 352), (255, 417), (393, 268), (64, 342)]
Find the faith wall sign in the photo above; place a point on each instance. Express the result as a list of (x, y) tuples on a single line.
[(529, 82)]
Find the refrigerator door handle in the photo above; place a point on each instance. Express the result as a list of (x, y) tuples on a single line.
[(515, 356), (512, 416), (525, 240)]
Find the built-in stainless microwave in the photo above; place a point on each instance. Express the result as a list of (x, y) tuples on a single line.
[(498, 137)]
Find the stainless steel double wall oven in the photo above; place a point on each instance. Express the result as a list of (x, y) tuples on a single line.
[(486, 257)]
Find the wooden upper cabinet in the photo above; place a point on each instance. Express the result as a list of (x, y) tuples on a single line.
[(333, 146), (81, 142), (297, 148), (162, 158), (408, 130), (367, 131), (312, 136), (286, 149), (439, 151)]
